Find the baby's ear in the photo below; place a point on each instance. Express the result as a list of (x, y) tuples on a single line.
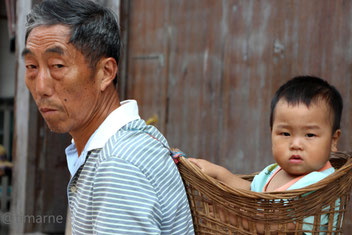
[(335, 139)]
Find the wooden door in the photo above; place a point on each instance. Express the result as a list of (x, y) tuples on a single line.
[(209, 68)]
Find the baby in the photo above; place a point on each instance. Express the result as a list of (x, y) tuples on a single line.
[(305, 128)]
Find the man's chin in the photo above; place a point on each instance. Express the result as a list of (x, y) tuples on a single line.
[(57, 129)]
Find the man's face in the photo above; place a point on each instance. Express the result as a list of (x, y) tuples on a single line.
[(302, 136), (59, 79)]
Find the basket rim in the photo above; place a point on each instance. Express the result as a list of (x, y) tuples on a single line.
[(345, 168)]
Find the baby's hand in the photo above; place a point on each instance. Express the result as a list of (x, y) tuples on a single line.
[(222, 174), (207, 167)]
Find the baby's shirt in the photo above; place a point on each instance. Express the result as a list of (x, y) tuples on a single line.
[(261, 180)]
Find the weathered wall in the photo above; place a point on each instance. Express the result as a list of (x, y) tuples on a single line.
[(7, 59), (209, 68)]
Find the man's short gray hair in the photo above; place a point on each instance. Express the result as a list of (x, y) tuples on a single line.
[(94, 29)]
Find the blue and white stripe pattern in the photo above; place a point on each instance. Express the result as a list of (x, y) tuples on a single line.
[(130, 186)]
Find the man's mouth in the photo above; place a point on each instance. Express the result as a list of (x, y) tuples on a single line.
[(47, 110)]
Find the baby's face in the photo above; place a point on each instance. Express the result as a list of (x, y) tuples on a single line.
[(302, 137)]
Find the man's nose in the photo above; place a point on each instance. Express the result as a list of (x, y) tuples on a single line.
[(44, 83)]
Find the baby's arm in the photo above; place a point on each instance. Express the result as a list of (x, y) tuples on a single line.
[(222, 174)]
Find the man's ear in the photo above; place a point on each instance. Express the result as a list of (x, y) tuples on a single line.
[(108, 69), (335, 139)]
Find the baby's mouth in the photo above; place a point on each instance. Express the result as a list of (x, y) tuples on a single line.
[(295, 159)]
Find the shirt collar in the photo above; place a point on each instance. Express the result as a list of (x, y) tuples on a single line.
[(127, 112)]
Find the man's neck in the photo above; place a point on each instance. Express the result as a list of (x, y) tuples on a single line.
[(109, 103)]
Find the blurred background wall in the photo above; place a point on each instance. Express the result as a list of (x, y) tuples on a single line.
[(209, 68)]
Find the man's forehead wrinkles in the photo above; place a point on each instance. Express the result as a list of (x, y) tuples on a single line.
[(55, 49), (36, 39), (49, 32)]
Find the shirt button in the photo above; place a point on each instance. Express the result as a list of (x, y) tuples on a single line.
[(74, 189)]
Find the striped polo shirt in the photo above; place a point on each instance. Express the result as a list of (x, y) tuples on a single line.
[(130, 185)]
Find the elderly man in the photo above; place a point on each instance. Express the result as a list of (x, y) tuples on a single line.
[(123, 178)]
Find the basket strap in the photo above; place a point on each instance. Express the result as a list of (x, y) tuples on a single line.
[(174, 154)]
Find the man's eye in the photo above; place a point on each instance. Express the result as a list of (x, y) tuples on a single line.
[(285, 134), (31, 66), (58, 66), (310, 135)]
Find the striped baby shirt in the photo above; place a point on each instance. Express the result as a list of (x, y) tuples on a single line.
[(129, 186)]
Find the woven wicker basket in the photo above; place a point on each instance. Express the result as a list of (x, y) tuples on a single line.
[(219, 209)]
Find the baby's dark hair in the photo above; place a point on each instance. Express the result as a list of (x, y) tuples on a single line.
[(307, 89)]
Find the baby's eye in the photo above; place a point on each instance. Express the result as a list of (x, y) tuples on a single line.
[(285, 134), (310, 135)]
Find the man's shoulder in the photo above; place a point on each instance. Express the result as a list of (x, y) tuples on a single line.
[(137, 144), (140, 149), (136, 134), (138, 155)]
